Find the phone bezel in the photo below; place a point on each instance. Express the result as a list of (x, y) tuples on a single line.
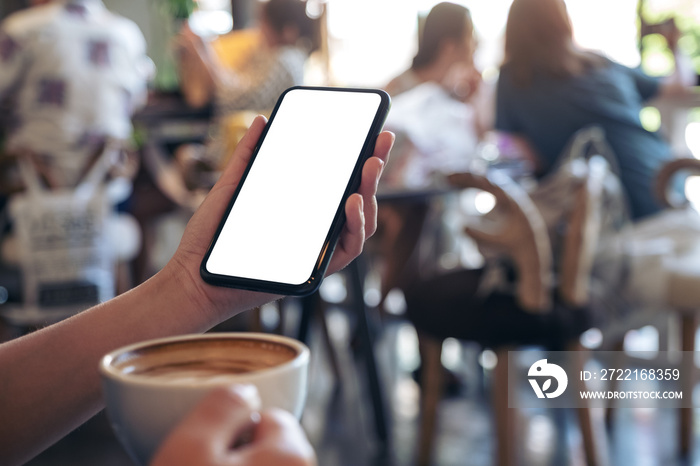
[(319, 270)]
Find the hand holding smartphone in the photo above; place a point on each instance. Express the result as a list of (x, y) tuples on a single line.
[(282, 224)]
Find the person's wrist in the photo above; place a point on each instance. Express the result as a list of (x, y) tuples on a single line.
[(209, 304), (185, 289)]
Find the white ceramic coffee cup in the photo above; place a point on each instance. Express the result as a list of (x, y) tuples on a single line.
[(143, 410)]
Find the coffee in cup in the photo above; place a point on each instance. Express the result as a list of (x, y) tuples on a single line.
[(150, 386)]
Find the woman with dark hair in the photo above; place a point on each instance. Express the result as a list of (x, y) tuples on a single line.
[(445, 54), (549, 89), (288, 37), (440, 109)]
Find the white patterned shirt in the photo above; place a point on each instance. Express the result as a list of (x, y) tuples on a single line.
[(74, 73)]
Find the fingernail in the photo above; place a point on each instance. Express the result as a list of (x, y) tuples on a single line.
[(381, 170), (381, 166)]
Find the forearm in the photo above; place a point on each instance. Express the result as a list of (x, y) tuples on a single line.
[(50, 383)]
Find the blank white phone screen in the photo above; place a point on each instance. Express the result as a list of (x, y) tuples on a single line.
[(279, 222)]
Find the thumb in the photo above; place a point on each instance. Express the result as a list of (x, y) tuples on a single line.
[(214, 425), (278, 439)]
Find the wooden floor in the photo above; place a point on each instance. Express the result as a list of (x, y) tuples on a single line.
[(338, 418)]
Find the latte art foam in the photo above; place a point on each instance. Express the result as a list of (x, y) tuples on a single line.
[(203, 361), (197, 371)]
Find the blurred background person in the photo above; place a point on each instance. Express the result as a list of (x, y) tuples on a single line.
[(71, 74), (440, 107), (445, 54), (549, 88), (74, 73), (288, 36), (440, 112)]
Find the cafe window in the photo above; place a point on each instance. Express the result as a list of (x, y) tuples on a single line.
[(656, 57), (212, 18)]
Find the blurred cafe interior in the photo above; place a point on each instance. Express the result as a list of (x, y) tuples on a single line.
[(540, 200)]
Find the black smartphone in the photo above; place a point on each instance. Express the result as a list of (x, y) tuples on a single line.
[(281, 227)]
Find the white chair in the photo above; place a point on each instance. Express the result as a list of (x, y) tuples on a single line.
[(70, 244)]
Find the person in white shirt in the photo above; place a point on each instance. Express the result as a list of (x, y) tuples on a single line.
[(74, 73)]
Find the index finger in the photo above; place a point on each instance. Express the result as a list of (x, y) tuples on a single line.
[(278, 439), (210, 428)]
